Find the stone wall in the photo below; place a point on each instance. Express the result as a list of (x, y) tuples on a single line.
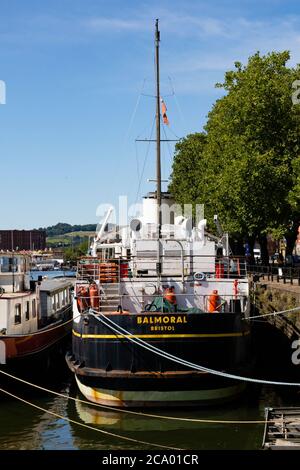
[(268, 298)]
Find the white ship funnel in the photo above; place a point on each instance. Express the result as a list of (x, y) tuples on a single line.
[(150, 209)]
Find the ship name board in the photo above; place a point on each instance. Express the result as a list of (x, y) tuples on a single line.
[(161, 319)]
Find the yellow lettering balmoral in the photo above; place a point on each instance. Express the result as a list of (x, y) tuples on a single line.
[(155, 319)]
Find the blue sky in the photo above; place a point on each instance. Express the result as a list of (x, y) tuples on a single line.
[(74, 72)]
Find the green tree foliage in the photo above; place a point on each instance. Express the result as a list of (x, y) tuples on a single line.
[(62, 228), (72, 254), (246, 165), (187, 167)]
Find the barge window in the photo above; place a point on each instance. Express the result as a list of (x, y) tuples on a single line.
[(33, 308), (57, 301), (8, 265), (27, 312), (18, 312), (53, 303)]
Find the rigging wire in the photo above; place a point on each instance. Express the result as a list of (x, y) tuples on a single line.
[(69, 420), (178, 360), (152, 415), (273, 314), (172, 132), (183, 120), (135, 111), (144, 163), (137, 413), (175, 135), (137, 160)]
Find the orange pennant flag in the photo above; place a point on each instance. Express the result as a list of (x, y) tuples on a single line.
[(164, 112)]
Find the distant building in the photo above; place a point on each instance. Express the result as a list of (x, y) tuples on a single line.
[(18, 240), (57, 253)]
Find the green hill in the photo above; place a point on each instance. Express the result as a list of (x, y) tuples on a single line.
[(62, 228)]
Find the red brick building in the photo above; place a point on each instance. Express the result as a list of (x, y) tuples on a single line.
[(22, 240)]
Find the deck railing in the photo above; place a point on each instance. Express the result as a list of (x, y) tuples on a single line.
[(282, 274), (108, 301), (197, 266)]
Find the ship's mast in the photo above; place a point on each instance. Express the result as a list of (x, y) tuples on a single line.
[(158, 162)]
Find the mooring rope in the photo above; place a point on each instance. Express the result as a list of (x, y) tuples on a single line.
[(137, 413), (273, 314), (65, 418), (131, 337)]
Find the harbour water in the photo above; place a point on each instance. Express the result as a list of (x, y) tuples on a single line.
[(27, 428), (35, 274)]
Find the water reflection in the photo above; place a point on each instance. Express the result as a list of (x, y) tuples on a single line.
[(183, 434), (24, 427)]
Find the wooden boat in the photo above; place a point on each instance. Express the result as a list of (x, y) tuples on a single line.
[(34, 315)]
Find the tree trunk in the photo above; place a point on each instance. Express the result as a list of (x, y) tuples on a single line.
[(237, 247), (264, 250), (291, 237)]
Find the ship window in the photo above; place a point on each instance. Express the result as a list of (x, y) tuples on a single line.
[(6, 264), (33, 308), (27, 311), (18, 312), (57, 301), (53, 303)]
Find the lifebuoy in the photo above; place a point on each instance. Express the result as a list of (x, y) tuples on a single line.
[(199, 276)]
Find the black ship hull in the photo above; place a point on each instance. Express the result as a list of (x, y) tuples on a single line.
[(110, 369)]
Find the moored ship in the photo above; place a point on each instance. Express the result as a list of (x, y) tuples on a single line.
[(161, 287), (34, 315)]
